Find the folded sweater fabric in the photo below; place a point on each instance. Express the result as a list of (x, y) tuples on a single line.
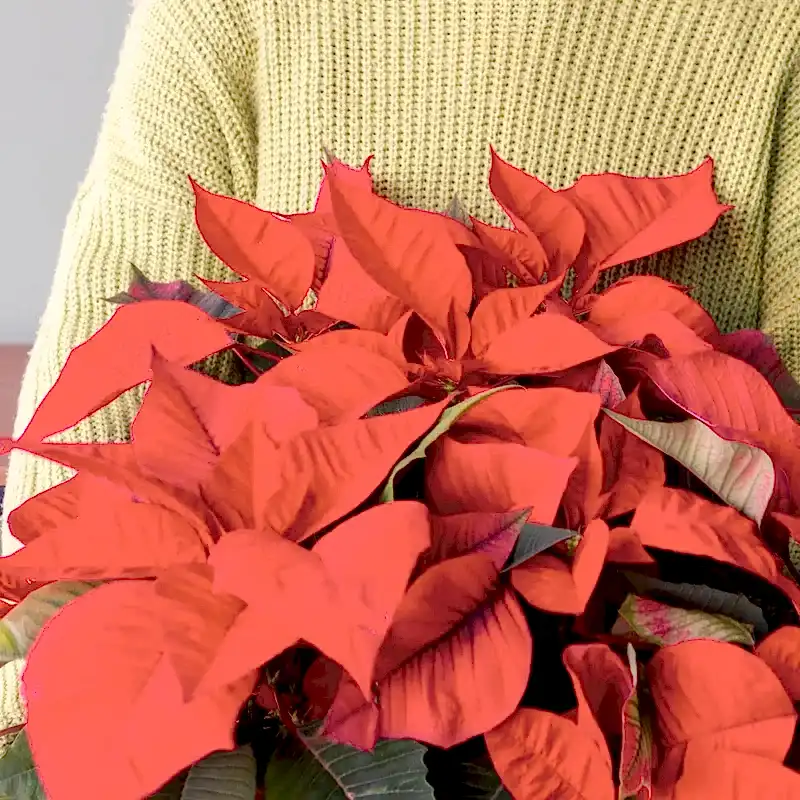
[(243, 95)]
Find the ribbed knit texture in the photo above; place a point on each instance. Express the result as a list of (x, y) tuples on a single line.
[(12, 707), (243, 94)]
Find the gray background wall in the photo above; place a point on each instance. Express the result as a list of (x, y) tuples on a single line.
[(57, 59)]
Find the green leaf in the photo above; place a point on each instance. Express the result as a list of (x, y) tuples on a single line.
[(645, 620), (226, 774), (20, 626), (636, 757), (741, 475), (458, 774), (534, 539), (171, 790), (794, 553), (449, 416), (314, 768), (398, 404), (18, 778), (703, 598)]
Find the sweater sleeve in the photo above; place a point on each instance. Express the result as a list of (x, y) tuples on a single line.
[(780, 299), (180, 104)]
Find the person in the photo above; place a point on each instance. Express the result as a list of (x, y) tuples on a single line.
[(242, 95)]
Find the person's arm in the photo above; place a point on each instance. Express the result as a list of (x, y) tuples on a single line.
[(179, 105), (780, 299)]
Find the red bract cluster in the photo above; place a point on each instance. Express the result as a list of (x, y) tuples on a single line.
[(463, 499)]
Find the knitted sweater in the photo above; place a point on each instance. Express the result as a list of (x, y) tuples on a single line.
[(243, 94)]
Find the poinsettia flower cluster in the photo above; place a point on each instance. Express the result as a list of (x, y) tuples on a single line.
[(497, 505)]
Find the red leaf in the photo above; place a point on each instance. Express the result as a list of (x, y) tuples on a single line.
[(707, 771), (248, 295), (552, 419), (610, 691), (306, 324), (537, 209), (630, 217), (95, 374), (521, 252), (297, 584), (357, 180), (545, 343), (720, 390), (625, 547), (320, 684), (266, 698), (113, 698), (582, 497), (388, 539), (337, 467), (169, 436), (654, 294), (187, 420), (60, 505), (340, 597), (194, 620), (342, 382), (406, 252), (493, 534), (502, 309), (540, 756), (785, 455), (781, 652), (349, 293), (552, 584), (257, 244), (602, 687), (372, 341), (630, 466), (636, 328), (265, 322), (487, 273), (682, 522), (454, 665), (116, 462), (223, 411), (757, 349), (495, 478), (116, 539), (605, 683), (244, 479), (719, 694)]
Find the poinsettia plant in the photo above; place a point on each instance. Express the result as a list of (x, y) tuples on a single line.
[(468, 527)]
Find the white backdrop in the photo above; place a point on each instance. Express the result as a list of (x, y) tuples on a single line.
[(57, 59)]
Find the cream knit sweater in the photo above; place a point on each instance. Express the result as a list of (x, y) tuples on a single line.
[(243, 94)]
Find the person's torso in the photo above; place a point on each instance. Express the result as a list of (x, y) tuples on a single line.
[(558, 87)]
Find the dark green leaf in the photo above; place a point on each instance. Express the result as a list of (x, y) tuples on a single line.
[(171, 790), (396, 405), (314, 768), (460, 774), (534, 539), (18, 778), (226, 774), (703, 598)]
